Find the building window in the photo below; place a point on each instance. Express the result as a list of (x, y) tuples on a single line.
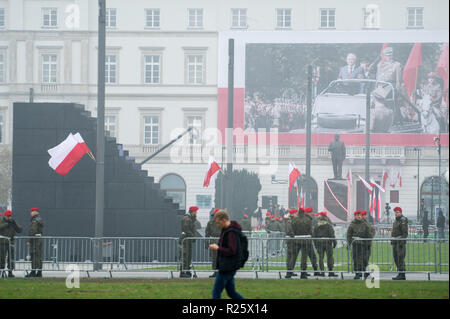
[(283, 18), (1, 128), (175, 187), (371, 17), (195, 18), (49, 18), (204, 201), (152, 18), (195, 69), (111, 17), (152, 69), (195, 136), (415, 17), (49, 64), (2, 67), (110, 69), (151, 130), (111, 125), (239, 18), (394, 197), (327, 18), (2, 17)]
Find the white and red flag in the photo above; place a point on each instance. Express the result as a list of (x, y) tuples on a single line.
[(367, 185), (213, 167), (66, 154), (384, 177), (399, 178), (294, 173)]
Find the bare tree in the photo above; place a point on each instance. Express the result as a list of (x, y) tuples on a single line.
[(5, 175)]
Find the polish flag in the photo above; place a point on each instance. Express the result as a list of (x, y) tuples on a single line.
[(294, 173), (443, 70), (373, 183), (399, 178), (384, 177), (392, 178), (367, 185), (411, 68), (349, 178), (379, 208), (213, 167), (65, 155)]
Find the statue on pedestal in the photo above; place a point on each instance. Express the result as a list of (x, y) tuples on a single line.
[(337, 150)]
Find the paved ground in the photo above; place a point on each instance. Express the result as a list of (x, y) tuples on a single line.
[(259, 275)]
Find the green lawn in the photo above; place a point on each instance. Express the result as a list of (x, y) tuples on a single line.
[(50, 288)]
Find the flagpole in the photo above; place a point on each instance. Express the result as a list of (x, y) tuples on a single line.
[(100, 165), (367, 159)]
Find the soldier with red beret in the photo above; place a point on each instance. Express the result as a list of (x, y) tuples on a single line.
[(35, 243), (293, 247), (212, 230), (324, 229), (399, 231), (368, 250), (246, 223), (358, 228), (8, 228), (312, 250), (188, 229)]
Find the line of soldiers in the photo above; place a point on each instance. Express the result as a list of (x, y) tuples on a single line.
[(274, 224), (301, 226), (9, 228)]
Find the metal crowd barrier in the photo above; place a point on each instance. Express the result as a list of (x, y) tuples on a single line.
[(268, 252)]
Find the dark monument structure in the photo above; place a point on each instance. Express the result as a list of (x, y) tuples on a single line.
[(135, 206)]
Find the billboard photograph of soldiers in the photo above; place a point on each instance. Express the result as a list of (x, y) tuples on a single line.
[(186, 151)]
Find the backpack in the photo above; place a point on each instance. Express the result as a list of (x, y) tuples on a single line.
[(243, 249)]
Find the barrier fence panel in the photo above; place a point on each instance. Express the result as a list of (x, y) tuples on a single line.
[(389, 254), (57, 252), (139, 253), (6, 248), (320, 254)]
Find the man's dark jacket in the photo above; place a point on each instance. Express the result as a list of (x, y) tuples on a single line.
[(228, 257)]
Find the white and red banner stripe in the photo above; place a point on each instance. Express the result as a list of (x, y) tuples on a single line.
[(66, 154), (213, 168)]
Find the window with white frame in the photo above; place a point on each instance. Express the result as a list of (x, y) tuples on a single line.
[(2, 67), (327, 18), (49, 17), (152, 18), (111, 125), (49, 66), (110, 68), (1, 128), (195, 136), (284, 18), (415, 17), (195, 68), (195, 18), (239, 18), (2, 17), (152, 69), (151, 129), (111, 17)]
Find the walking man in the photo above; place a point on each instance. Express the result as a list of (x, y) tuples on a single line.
[(399, 232), (35, 243), (228, 257)]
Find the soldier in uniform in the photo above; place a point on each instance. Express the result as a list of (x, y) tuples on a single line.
[(8, 228), (358, 228), (323, 229), (35, 243), (188, 229), (212, 230), (433, 88), (368, 243), (399, 230), (245, 223), (303, 227), (389, 70), (292, 247), (267, 220), (311, 250)]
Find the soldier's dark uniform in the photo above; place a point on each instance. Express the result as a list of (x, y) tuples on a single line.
[(292, 247), (358, 228), (188, 229), (212, 230), (8, 228), (303, 227), (368, 247), (312, 250), (323, 229), (246, 225), (399, 230), (36, 245)]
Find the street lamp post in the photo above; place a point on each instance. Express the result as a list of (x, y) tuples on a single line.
[(437, 142), (416, 149)]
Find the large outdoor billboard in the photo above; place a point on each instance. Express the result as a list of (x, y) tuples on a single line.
[(404, 74)]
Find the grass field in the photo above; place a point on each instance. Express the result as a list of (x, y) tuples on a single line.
[(50, 288)]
